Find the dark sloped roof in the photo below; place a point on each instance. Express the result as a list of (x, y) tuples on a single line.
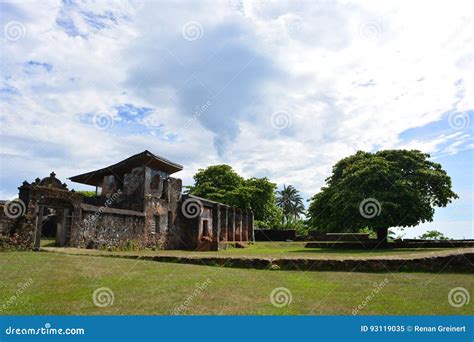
[(145, 158)]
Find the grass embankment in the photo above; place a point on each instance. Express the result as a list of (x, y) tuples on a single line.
[(59, 284), (285, 250)]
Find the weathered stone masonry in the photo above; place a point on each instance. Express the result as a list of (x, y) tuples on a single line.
[(139, 204)]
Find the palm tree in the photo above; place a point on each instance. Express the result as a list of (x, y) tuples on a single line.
[(291, 202)]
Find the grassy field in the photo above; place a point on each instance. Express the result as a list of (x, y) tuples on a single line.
[(48, 242), (286, 250), (58, 284)]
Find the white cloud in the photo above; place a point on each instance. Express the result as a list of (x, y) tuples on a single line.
[(352, 76)]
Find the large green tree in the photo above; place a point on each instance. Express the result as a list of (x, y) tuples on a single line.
[(291, 203), (221, 183), (218, 183), (390, 188)]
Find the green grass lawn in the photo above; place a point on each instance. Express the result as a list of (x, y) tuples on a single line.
[(286, 250), (60, 284), (48, 242)]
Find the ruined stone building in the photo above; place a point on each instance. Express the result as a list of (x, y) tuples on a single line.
[(137, 203)]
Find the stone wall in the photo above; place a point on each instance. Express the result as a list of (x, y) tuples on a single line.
[(48, 192), (373, 244), (6, 222), (161, 210), (143, 209), (101, 227)]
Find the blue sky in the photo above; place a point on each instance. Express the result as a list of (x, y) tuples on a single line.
[(279, 89)]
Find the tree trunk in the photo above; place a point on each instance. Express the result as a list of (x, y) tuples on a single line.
[(382, 234)]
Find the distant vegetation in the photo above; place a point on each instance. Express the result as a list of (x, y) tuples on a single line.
[(433, 235), (272, 209), (367, 192), (85, 193), (222, 184)]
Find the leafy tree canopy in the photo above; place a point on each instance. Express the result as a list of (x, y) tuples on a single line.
[(390, 188), (222, 184)]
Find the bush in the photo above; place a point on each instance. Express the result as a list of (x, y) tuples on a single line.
[(85, 193)]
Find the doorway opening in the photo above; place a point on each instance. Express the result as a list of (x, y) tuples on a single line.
[(53, 227), (49, 227), (206, 233)]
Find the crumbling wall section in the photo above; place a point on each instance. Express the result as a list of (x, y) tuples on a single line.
[(108, 228), (161, 211), (6, 221)]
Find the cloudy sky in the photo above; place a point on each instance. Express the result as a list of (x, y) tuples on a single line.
[(277, 89)]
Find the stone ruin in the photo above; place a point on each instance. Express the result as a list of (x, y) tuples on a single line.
[(137, 204)]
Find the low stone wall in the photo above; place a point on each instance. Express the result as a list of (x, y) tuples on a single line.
[(346, 237), (373, 244), (274, 234), (450, 263), (446, 263)]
